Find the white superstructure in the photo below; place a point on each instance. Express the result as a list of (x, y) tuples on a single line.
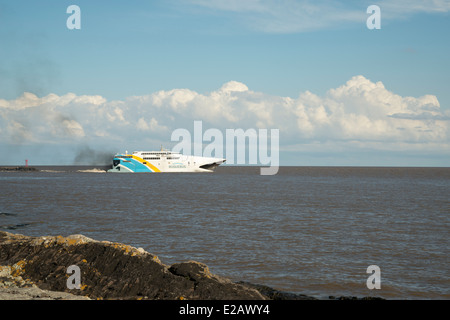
[(163, 161)]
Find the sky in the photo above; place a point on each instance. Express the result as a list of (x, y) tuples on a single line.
[(340, 93)]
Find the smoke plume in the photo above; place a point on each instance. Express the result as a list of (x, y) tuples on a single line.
[(88, 156)]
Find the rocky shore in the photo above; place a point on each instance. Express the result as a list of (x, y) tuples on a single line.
[(37, 268)]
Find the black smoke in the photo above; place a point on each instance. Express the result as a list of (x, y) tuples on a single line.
[(88, 156)]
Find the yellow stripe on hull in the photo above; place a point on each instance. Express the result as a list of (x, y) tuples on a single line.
[(146, 163)]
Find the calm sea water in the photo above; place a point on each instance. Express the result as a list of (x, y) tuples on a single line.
[(310, 230)]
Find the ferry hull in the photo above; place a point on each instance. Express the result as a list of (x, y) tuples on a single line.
[(153, 161)]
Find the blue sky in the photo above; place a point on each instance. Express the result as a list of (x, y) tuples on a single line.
[(276, 49)]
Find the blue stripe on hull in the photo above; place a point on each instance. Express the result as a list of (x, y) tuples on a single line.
[(134, 165)]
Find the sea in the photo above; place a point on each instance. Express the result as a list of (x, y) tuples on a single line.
[(308, 230)]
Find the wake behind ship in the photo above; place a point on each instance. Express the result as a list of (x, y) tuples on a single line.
[(163, 161)]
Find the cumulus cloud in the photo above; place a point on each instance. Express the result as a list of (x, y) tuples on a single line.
[(358, 113), (151, 125)]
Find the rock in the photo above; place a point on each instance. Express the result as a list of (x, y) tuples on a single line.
[(110, 270), (14, 287), (274, 294), (207, 284), (34, 293)]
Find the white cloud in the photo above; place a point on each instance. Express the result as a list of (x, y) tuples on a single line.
[(151, 125), (355, 114), (401, 7), (72, 128), (290, 16), (233, 86), (18, 132)]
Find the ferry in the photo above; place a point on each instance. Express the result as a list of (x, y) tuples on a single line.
[(163, 161)]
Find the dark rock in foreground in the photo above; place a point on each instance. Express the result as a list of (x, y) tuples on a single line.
[(112, 270)]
